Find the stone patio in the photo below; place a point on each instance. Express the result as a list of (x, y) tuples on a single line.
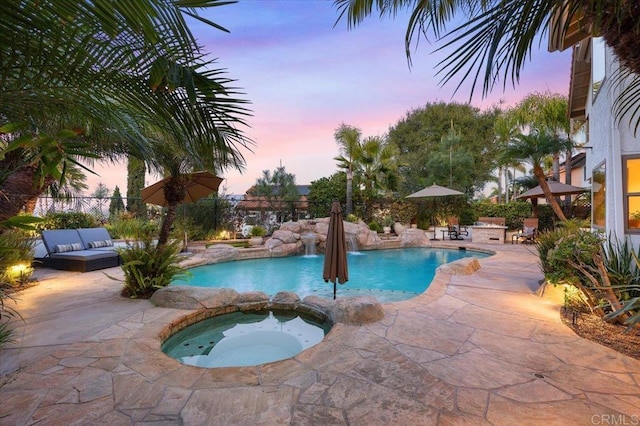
[(473, 349)]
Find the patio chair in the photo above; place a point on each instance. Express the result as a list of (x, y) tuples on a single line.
[(454, 230), (528, 233)]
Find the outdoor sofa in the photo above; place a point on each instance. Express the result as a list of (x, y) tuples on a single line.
[(83, 250)]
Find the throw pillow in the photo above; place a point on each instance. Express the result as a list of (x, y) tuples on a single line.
[(100, 243), (62, 248)]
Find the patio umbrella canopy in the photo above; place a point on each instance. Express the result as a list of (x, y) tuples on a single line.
[(335, 258), (199, 185), (556, 188), (434, 191)]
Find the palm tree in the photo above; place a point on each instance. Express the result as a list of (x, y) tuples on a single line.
[(492, 40), (533, 148), (211, 141), (548, 113), (104, 76), (505, 130), (348, 139), (378, 168)]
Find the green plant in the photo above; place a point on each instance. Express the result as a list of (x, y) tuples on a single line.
[(513, 212), (258, 231), (375, 226), (604, 271), (16, 256), (148, 268), (67, 220), (403, 211), (352, 218), (623, 267), (128, 227)]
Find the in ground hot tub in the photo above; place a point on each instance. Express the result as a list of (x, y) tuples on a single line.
[(245, 338)]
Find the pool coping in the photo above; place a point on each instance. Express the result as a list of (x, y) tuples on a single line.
[(481, 349)]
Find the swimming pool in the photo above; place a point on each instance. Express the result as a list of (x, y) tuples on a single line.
[(389, 275)]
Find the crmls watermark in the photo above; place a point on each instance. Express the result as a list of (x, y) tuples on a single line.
[(615, 419)]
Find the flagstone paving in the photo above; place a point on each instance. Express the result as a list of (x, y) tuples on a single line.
[(474, 349)]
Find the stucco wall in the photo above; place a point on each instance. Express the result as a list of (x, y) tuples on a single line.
[(610, 139)]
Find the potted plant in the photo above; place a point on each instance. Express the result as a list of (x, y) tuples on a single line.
[(634, 220), (386, 224), (257, 232)]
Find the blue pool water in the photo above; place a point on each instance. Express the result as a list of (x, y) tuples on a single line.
[(389, 275)]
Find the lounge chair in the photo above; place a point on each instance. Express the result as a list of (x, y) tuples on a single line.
[(68, 251), (529, 231), (454, 231)]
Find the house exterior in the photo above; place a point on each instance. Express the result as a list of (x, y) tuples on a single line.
[(579, 175), (273, 209), (612, 150)]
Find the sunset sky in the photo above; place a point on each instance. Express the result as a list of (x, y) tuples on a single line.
[(304, 77)]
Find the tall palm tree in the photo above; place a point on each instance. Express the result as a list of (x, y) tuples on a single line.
[(349, 143), (505, 130), (548, 113), (492, 40), (533, 148), (378, 167), (106, 75)]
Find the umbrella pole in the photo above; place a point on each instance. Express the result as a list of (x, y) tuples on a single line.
[(185, 247), (334, 290)]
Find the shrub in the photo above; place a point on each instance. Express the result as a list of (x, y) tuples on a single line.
[(127, 227), (606, 272), (148, 268), (258, 231), (375, 226), (67, 220), (403, 211), (16, 256), (513, 212), (16, 249), (352, 218)]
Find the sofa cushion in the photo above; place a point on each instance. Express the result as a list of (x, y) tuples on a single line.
[(62, 248), (54, 237), (88, 235)]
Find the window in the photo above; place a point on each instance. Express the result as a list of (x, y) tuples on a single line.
[(632, 192), (598, 198)]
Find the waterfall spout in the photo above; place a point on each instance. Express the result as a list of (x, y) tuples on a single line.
[(309, 241), (352, 242)]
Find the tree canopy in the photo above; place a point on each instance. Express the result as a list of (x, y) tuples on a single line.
[(430, 153)]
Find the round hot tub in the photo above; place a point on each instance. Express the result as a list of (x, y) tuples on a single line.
[(245, 338)]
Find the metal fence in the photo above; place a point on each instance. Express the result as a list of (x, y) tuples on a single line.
[(204, 216)]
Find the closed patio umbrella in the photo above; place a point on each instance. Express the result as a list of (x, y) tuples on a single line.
[(335, 257)]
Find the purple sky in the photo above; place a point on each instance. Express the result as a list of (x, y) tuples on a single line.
[(304, 78)]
